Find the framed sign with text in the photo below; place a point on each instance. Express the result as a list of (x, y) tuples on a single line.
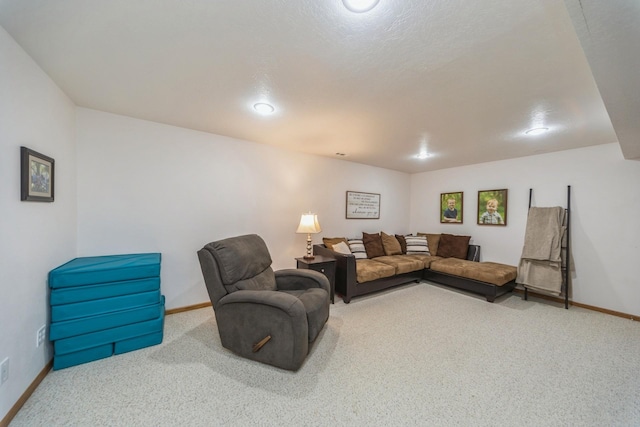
[(363, 205)]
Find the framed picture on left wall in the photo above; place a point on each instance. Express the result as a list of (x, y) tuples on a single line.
[(36, 176)]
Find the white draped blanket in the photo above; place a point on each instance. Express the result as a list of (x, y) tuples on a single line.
[(540, 265)]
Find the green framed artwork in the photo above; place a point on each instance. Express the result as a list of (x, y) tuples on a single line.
[(492, 207), (451, 206)]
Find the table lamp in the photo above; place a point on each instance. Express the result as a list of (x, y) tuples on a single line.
[(309, 224)]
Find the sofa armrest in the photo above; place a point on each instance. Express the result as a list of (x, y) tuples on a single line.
[(344, 262), (473, 253), (345, 270)]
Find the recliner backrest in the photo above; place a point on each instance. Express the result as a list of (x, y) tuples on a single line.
[(242, 262)]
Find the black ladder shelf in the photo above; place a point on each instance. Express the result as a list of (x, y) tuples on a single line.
[(566, 270)]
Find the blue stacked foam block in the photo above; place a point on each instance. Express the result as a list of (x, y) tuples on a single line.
[(105, 305)]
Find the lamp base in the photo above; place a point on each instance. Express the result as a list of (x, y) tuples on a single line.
[(309, 254)]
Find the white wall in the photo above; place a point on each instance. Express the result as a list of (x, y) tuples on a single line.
[(35, 237), (605, 201), (147, 187)]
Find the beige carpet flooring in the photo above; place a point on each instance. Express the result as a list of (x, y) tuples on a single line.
[(415, 355)]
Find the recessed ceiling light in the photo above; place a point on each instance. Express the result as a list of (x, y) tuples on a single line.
[(360, 6), (423, 155), (536, 131), (263, 108)]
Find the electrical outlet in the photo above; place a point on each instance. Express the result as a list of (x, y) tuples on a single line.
[(41, 335), (4, 370)]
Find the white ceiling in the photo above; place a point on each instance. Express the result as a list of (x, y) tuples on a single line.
[(462, 79)]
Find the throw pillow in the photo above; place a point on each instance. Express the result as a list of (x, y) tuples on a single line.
[(357, 248), (432, 240), (390, 244), (342, 248), (403, 243), (330, 241), (417, 245), (451, 246), (373, 245)]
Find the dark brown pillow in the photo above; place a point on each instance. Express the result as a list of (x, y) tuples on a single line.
[(403, 243), (451, 246), (330, 241), (373, 245)]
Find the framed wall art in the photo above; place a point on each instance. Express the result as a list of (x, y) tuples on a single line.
[(363, 205), (492, 207), (451, 207), (36, 176)]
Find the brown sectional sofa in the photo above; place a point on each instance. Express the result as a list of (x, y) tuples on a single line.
[(356, 277)]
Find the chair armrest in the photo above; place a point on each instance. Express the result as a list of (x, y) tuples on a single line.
[(291, 279), (280, 300)]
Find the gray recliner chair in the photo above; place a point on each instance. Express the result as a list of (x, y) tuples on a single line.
[(271, 317)]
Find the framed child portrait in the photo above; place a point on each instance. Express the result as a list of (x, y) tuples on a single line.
[(492, 207), (451, 207)]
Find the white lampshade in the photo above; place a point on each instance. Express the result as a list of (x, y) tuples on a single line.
[(309, 224)]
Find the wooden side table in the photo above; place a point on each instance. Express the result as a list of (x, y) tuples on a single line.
[(321, 264)]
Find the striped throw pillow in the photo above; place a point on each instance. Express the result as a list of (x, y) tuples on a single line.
[(417, 245), (357, 248)]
